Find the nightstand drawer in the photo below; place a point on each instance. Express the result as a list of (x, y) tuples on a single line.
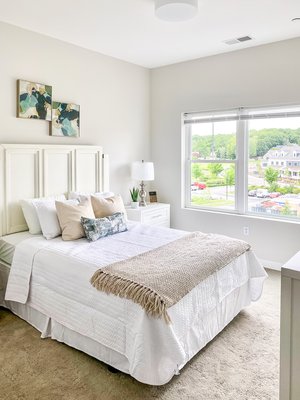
[(155, 216)]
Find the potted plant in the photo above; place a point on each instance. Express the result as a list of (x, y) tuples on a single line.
[(134, 192)]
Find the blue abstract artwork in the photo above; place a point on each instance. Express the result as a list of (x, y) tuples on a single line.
[(34, 100), (65, 119)]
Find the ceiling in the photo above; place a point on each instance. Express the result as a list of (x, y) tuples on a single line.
[(129, 30)]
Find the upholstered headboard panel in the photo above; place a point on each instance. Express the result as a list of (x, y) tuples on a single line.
[(28, 171)]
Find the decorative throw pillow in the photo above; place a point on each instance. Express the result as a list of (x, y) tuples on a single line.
[(30, 213), (100, 227), (69, 218), (109, 206)]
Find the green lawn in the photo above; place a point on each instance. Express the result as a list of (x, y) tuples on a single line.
[(198, 201)]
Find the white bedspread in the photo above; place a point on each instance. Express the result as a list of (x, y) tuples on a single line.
[(53, 277)]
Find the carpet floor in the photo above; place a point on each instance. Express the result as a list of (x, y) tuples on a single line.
[(241, 363)]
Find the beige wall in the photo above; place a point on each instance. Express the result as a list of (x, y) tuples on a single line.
[(264, 75), (113, 95)]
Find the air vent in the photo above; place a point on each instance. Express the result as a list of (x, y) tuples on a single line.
[(244, 38), (238, 40), (231, 41)]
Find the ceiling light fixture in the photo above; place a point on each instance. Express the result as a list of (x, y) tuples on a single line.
[(176, 10)]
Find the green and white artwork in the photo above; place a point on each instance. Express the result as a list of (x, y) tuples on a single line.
[(65, 119), (34, 100)]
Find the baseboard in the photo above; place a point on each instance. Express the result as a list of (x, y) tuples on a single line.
[(271, 264)]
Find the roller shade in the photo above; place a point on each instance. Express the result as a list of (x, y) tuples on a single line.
[(241, 114)]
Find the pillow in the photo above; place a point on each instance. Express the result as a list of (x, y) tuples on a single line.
[(47, 215), (100, 227), (30, 213), (69, 218), (81, 196), (105, 207)]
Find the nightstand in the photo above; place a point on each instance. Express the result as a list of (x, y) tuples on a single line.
[(289, 329), (153, 214)]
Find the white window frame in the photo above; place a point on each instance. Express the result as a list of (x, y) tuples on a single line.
[(241, 162)]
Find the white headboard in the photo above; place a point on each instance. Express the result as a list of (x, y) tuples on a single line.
[(36, 170)]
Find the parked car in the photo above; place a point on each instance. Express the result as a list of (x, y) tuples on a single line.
[(274, 194), (262, 193), (194, 187), (252, 193), (199, 185)]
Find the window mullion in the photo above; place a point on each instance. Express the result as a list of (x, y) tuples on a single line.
[(246, 163), (241, 167), (187, 161)]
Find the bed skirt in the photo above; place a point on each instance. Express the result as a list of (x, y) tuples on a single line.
[(224, 312)]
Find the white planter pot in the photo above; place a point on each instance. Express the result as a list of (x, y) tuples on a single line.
[(135, 204)]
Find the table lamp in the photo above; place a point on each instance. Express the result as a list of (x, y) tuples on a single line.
[(142, 171)]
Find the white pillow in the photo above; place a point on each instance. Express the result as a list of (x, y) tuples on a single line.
[(82, 196), (48, 219), (30, 213)]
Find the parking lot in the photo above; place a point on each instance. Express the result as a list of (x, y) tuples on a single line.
[(222, 197)]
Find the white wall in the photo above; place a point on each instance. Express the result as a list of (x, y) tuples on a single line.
[(264, 75), (113, 95), (114, 99)]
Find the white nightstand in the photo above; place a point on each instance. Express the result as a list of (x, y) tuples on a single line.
[(289, 329), (153, 214)]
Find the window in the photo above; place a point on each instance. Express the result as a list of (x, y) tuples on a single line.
[(231, 161), (212, 166)]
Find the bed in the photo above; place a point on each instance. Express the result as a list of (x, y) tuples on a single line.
[(50, 288)]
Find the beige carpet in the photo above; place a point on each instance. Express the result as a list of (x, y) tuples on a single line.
[(242, 363)]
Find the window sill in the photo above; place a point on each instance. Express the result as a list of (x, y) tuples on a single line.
[(233, 213)]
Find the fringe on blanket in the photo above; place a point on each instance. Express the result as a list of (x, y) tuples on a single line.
[(152, 303)]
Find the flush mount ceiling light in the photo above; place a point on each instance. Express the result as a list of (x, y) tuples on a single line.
[(176, 10)]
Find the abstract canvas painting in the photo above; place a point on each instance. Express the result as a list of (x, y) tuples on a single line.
[(65, 119), (34, 100)]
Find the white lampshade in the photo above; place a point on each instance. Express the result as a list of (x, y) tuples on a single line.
[(142, 171), (176, 10)]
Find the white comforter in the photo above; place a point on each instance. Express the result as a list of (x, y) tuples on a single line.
[(53, 278)]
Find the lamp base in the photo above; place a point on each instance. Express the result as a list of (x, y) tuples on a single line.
[(143, 194)]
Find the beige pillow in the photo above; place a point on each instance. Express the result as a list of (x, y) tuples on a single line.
[(69, 218), (106, 207)]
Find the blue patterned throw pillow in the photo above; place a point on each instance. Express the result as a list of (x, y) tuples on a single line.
[(100, 227)]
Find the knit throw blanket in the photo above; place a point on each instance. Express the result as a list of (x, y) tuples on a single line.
[(159, 278)]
